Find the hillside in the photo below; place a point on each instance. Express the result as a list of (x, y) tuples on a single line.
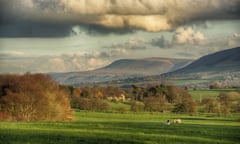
[(223, 61), (223, 66), (122, 69), (148, 66)]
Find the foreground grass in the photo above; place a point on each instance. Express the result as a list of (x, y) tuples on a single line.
[(113, 128)]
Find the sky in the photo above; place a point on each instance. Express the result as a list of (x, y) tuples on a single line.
[(79, 35)]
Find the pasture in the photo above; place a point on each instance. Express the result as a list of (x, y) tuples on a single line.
[(127, 128), (211, 93)]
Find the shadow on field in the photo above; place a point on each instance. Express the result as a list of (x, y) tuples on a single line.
[(210, 119), (57, 138)]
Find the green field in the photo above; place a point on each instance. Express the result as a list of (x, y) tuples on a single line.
[(128, 128), (201, 94)]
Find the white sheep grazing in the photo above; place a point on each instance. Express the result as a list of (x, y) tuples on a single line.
[(177, 121), (167, 122)]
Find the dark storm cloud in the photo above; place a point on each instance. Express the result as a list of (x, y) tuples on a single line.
[(34, 29), (99, 30), (56, 17), (28, 29)]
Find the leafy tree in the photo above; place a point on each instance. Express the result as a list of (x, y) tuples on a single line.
[(174, 94), (86, 92), (138, 93), (211, 105), (33, 97), (180, 108), (229, 102), (136, 106), (156, 104), (152, 91), (216, 85), (186, 104), (91, 104)]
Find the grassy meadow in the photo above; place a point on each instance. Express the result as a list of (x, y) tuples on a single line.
[(126, 128), (209, 93)]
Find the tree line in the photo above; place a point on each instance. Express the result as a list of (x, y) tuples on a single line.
[(95, 98), (158, 98), (36, 97), (226, 103), (153, 98)]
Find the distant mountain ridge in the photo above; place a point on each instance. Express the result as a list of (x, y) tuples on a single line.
[(223, 66), (222, 61), (122, 69), (147, 66)]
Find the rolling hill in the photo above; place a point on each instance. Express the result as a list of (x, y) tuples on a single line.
[(223, 61), (122, 69), (221, 66), (219, 62)]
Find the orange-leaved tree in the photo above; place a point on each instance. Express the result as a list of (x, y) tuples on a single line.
[(33, 97)]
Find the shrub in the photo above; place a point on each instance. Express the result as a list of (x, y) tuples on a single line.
[(136, 106), (159, 104), (92, 104), (211, 105), (230, 102), (187, 105)]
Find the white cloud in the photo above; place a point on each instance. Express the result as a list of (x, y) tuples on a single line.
[(236, 35), (181, 36), (83, 61), (234, 40), (130, 45), (12, 53), (94, 63), (118, 52), (188, 36), (80, 61), (77, 30), (56, 64), (191, 42)]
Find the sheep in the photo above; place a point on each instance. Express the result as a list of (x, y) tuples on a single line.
[(177, 121), (167, 122)]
